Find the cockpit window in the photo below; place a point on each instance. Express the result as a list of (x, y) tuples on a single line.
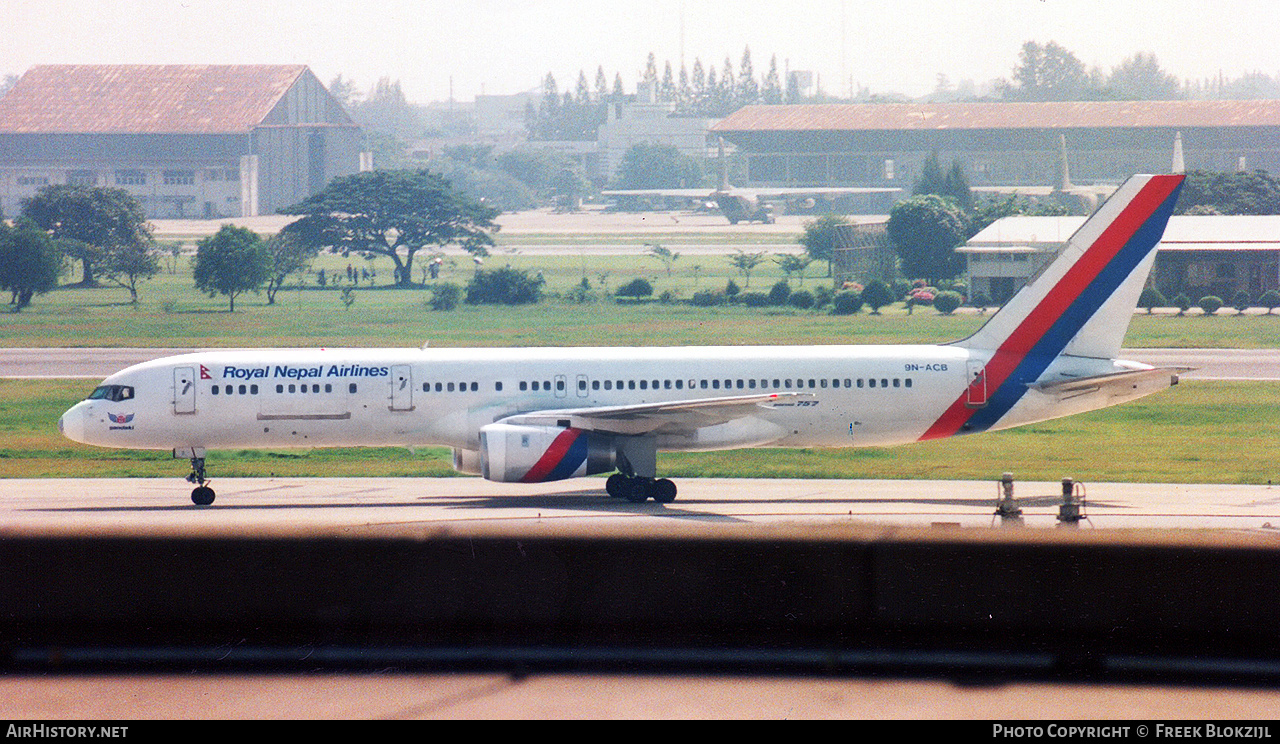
[(112, 392)]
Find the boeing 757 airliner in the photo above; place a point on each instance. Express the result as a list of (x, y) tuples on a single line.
[(541, 414)]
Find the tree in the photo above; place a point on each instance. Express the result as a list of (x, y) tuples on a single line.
[(820, 237), (665, 255), (956, 186), (289, 255), (127, 265), (230, 262), (1229, 193), (653, 166), (344, 90), (876, 295), (393, 214), (745, 263), (1048, 73), (1140, 78), (30, 262), (947, 302), (793, 264), (1270, 300), (635, 289), (505, 286), (1151, 298), (101, 218), (925, 231), (931, 180)]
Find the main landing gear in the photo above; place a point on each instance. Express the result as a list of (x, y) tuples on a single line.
[(638, 489), (201, 495)]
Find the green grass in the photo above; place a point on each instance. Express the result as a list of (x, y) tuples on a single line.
[(173, 313), (1197, 432)]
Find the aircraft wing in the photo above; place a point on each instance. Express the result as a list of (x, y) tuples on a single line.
[(1116, 382), (797, 192), (685, 193), (756, 193), (653, 418)]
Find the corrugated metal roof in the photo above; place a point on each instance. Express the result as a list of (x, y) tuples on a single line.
[(144, 99), (1047, 115), (1184, 232)]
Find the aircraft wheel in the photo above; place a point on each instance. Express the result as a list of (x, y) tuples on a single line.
[(202, 496), (636, 490), (663, 491), (616, 485)]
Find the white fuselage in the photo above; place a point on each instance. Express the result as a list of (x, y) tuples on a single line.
[(849, 395)]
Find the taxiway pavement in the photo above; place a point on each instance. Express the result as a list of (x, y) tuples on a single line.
[(293, 507)]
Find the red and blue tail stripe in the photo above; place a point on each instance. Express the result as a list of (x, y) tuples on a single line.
[(567, 453), (1041, 336)]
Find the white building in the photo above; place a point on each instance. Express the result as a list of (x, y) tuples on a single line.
[(1199, 255)]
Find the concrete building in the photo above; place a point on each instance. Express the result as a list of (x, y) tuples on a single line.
[(1000, 145), (1199, 255), (194, 141), (646, 121)]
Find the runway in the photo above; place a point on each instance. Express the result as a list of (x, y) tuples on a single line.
[(97, 363)]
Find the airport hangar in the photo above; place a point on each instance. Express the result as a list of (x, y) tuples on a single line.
[(1000, 145), (189, 141)]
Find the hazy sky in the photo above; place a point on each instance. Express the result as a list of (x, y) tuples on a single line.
[(505, 46)]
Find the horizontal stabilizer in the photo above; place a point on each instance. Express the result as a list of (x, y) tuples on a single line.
[(1116, 382)]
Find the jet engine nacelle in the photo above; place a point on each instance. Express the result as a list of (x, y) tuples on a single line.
[(535, 454)]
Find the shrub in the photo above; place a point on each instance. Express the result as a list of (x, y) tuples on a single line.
[(822, 295), (1182, 302), (1270, 300), (802, 299), (1241, 301), (754, 299), (635, 289), (445, 296), (847, 302), (505, 286), (731, 289), (581, 292), (980, 301), (1151, 298), (1210, 304), (877, 295), (946, 302), (707, 298), (779, 293)]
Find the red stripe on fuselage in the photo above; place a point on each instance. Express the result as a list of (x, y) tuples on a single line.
[(1085, 270), (552, 457)]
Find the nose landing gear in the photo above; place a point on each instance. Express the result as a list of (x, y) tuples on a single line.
[(201, 495)]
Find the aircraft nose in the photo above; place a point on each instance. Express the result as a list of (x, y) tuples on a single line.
[(71, 424)]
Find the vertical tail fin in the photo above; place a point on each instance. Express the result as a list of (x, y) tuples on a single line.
[(1081, 302)]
